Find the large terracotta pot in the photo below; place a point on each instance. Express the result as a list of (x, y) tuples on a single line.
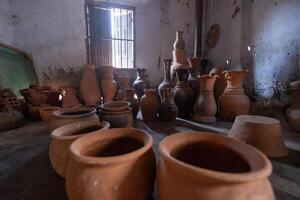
[(10, 119), (167, 83), (184, 94), (195, 65), (293, 112), (205, 106), (220, 83), (108, 84), (140, 82), (123, 85), (134, 104), (116, 164), (68, 116), (149, 105), (233, 101), (117, 113), (89, 86), (46, 112), (63, 137), (167, 110), (201, 165), (69, 98)]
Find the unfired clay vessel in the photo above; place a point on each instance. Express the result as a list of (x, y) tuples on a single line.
[(293, 112), (123, 85), (134, 104), (63, 137), (108, 84), (194, 68), (116, 164), (149, 105), (205, 166), (167, 110), (167, 83), (140, 82), (263, 133)]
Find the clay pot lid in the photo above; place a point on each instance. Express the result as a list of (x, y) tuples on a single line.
[(295, 85), (255, 119), (115, 106), (74, 112), (260, 166)]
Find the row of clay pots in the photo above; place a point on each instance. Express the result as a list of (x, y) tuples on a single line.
[(120, 164)]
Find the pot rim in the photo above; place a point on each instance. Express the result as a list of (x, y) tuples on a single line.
[(258, 170), (128, 110), (114, 133), (115, 106), (59, 113)]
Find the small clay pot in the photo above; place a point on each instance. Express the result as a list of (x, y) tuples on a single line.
[(134, 104), (167, 110), (108, 84), (293, 112), (116, 164), (149, 105), (115, 106), (46, 112), (205, 166), (167, 83), (63, 137), (123, 85), (69, 98)]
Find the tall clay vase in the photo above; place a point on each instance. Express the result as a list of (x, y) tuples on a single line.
[(89, 86), (184, 94), (108, 84), (233, 101), (293, 112), (205, 106), (113, 165), (179, 42), (167, 83), (123, 85), (140, 82), (205, 166), (149, 105), (195, 64), (167, 110), (134, 103)]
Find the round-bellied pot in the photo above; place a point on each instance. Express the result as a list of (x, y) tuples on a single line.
[(68, 116), (115, 106), (69, 98), (134, 103), (108, 84), (167, 83), (116, 164), (46, 112), (293, 112), (202, 165), (63, 137), (167, 110), (149, 105), (140, 82), (123, 85)]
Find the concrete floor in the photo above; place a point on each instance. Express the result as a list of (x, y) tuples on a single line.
[(26, 173)]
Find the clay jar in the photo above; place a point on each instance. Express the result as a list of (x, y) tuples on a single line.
[(167, 83), (108, 84), (293, 112), (205, 106), (46, 112), (206, 166), (134, 104), (69, 98), (183, 95), (167, 110), (68, 116), (89, 86), (123, 85), (233, 101), (195, 64), (149, 105), (63, 137), (117, 113), (116, 164), (140, 82)]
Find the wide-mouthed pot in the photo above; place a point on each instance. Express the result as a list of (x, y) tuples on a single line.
[(201, 165), (117, 119), (63, 138), (115, 106), (116, 164)]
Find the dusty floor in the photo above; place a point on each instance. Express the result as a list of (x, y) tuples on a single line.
[(26, 174)]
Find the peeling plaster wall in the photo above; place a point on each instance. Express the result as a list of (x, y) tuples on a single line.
[(6, 22)]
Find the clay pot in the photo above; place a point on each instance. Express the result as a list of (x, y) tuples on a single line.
[(64, 136), (179, 42), (201, 165), (46, 112), (108, 84), (10, 119), (117, 113), (149, 105), (205, 106), (184, 94), (167, 83), (263, 133), (194, 64), (134, 104), (34, 112), (220, 83), (68, 116), (89, 86), (233, 101), (116, 164), (37, 98), (26, 93), (123, 85), (140, 82), (52, 97), (167, 110), (293, 112), (69, 98)]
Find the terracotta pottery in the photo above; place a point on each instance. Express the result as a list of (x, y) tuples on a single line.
[(205, 106), (205, 166), (184, 94), (33, 112), (10, 119), (220, 83), (68, 116), (167, 110), (52, 97), (149, 105), (134, 104), (46, 112), (89, 86), (233, 101), (195, 64), (37, 98), (123, 85), (26, 93), (293, 112), (167, 83), (117, 113), (69, 98), (108, 84), (140, 82), (116, 164), (63, 137), (263, 133)]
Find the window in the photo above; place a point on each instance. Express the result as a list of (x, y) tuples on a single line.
[(110, 35)]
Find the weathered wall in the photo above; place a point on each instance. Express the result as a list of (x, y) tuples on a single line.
[(6, 22)]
